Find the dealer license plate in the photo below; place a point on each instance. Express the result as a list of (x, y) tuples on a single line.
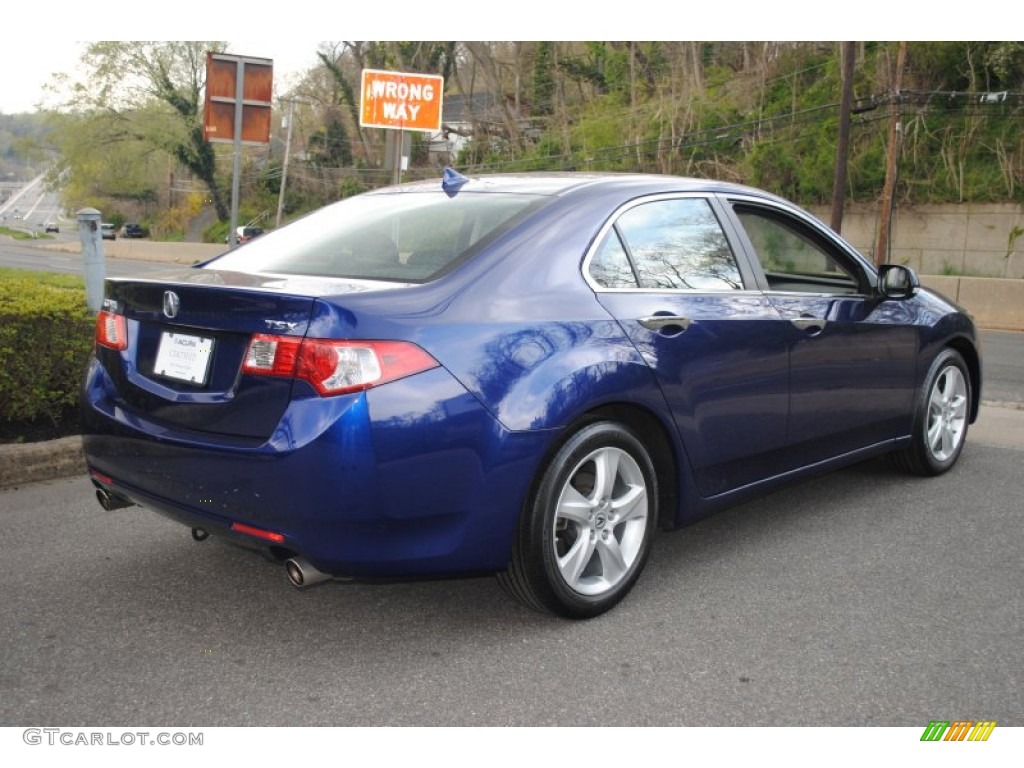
[(183, 357)]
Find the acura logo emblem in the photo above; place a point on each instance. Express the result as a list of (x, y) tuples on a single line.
[(171, 304)]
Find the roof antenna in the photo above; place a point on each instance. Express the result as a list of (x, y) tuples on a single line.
[(452, 181)]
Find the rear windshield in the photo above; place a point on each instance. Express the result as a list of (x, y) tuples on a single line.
[(405, 236)]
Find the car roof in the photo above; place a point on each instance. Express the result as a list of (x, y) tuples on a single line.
[(571, 182)]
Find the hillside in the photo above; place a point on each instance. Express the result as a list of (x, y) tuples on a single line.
[(762, 113)]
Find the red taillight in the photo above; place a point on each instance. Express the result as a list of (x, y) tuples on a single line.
[(271, 355), (259, 533), (335, 367), (111, 330)]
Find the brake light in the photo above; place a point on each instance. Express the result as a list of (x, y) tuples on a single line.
[(335, 367), (111, 330)]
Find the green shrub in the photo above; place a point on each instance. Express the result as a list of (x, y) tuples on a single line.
[(46, 335)]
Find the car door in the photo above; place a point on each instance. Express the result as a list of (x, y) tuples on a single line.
[(851, 354), (667, 270)]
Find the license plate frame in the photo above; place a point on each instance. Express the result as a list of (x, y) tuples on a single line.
[(184, 357)]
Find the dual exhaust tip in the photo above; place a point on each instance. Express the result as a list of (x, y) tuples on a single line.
[(111, 501), (303, 575)]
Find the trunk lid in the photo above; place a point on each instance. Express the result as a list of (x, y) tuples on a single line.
[(187, 338)]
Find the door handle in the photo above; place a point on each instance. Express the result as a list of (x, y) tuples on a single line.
[(814, 325), (657, 322)]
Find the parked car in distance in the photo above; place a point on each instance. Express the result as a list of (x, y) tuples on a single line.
[(524, 375), (133, 231), (51, 226), (245, 234), (107, 231)]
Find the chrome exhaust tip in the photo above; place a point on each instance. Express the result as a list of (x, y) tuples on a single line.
[(303, 575), (111, 501)]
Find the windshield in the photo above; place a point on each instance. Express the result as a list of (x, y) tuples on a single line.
[(403, 236)]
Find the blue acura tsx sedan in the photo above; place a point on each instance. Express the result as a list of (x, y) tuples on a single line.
[(521, 375)]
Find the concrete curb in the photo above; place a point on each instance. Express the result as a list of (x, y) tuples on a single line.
[(22, 463), (1000, 424)]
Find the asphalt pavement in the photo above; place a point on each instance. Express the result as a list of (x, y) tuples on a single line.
[(863, 598), (1003, 362)]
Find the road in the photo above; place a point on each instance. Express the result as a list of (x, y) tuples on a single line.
[(31, 208), (35, 256), (860, 598), (1003, 355)]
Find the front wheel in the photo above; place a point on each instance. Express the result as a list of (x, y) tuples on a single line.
[(941, 419), (586, 532)]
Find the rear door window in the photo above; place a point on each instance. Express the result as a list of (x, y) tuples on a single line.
[(669, 244)]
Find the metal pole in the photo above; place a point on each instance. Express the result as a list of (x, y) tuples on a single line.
[(236, 177), (399, 150)]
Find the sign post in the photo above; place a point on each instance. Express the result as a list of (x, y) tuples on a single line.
[(401, 101), (239, 94)]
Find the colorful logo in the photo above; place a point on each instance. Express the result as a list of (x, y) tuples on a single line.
[(958, 730)]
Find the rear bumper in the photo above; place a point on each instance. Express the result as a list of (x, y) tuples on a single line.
[(413, 478)]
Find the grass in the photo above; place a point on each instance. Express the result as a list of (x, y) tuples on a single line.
[(19, 234), (73, 282)]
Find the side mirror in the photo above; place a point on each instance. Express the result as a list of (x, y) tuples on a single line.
[(896, 281)]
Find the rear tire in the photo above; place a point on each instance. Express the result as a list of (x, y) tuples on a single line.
[(941, 418), (586, 531)]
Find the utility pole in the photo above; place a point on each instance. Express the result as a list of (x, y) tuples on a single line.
[(170, 182), (895, 131), (284, 166), (843, 143)]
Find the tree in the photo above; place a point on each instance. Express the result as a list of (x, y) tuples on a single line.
[(329, 146), (107, 166), (150, 92), (544, 79)]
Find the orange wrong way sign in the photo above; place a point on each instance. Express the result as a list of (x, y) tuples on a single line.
[(402, 100)]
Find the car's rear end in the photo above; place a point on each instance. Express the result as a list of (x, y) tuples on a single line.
[(284, 402)]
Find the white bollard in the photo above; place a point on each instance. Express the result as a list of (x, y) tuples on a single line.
[(92, 252)]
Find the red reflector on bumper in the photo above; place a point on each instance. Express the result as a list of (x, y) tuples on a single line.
[(259, 533), (101, 478)]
